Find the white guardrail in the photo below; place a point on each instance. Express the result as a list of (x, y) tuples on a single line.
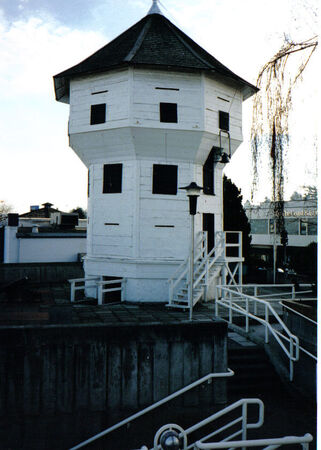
[(96, 283), (293, 311), (237, 427), (268, 443), (129, 419), (235, 300)]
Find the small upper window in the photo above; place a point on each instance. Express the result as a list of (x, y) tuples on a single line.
[(224, 120), (112, 183), (164, 179), (98, 114), (168, 112)]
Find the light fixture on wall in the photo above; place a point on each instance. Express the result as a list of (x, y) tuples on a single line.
[(219, 153)]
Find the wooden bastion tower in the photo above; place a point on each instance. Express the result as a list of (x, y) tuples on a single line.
[(151, 112)]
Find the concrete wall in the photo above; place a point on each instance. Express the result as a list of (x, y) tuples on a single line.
[(57, 374), (38, 248)]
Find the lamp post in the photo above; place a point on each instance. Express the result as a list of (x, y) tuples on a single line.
[(193, 192)]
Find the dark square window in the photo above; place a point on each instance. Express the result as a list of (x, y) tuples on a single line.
[(224, 120), (168, 112), (208, 174), (164, 179), (98, 114), (112, 182)]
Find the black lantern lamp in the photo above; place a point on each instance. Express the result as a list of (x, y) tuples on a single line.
[(219, 155), (225, 158), (193, 192)]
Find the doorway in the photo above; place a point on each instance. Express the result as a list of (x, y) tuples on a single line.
[(209, 226)]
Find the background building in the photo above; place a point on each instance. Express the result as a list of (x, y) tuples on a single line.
[(42, 235), (301, 224)]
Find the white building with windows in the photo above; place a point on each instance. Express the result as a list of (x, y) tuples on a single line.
[(300, 221), (149, 113)]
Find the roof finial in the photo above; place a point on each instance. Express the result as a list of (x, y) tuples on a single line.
[(154, 8)]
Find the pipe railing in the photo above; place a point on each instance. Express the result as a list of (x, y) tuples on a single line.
[(242, 419), (293, 292), (238, 426), (232, 304), (135, 416), (269, 443), (309, 320)]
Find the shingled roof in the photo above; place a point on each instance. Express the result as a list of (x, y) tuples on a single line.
[(152, 42)]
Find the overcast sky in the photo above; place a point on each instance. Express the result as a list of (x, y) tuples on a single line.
[(40, 38)]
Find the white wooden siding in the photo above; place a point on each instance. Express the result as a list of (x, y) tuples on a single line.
[(146, 98), (116, 99), (215, 91)]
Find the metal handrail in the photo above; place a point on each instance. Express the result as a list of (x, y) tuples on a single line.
[(271, 443), (129, 419), (206, 262), (186, 259), (292, 353), (211, 261), (244, 402), (292, 286), (299, 314), (308, 319), (227, 427)]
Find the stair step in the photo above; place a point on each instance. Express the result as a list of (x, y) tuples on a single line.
[(176, 306), (254, 373), (180, 300)]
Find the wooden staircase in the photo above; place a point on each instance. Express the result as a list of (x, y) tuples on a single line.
[(210, 268)]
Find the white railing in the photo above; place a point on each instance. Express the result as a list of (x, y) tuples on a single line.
[(291, 290), (182, 272), (179, 283), (96, 283), (80, 284), (237, 427), (242, 420), (209, 260), (309, 320), (237, 244), (268, 443), (102, 289), (241, 303), (129, 419)]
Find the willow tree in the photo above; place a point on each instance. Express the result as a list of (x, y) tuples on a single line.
[(271, 110)]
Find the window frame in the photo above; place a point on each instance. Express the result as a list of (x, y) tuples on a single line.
[(112, 181), (223, 118), (98, 113), (158, 174), (169, 116)]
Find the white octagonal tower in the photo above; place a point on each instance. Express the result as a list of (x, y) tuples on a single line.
[(145, 112)]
